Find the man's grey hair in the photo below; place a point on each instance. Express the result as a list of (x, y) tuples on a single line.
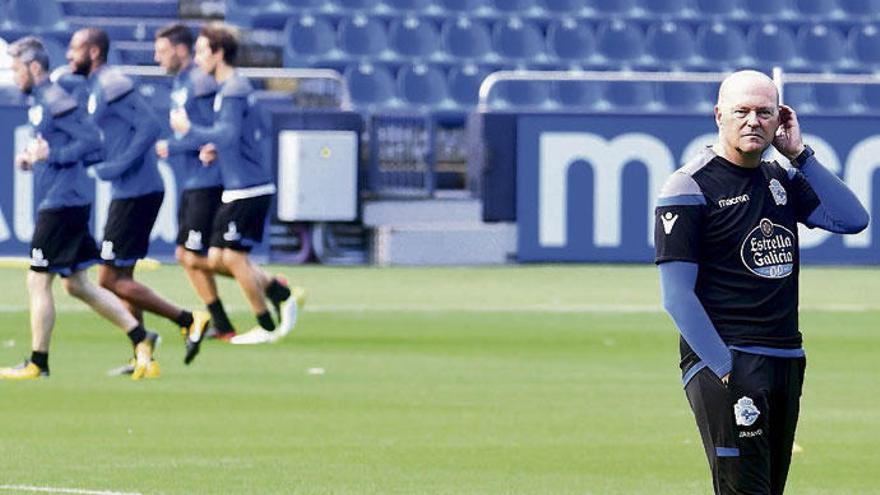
[(30, 49)]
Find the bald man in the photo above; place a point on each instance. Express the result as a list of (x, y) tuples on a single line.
[(727, 249)]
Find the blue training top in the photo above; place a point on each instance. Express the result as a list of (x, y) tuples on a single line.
[(236, 133), (60, 180), (194, 91), (129, 130)]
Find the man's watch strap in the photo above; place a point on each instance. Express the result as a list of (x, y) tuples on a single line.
[(805, 155)]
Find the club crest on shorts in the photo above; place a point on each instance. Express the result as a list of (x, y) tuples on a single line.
[(778, 192), (35, 115), (194, 240), (107, 251), (745, 412), (37, 258), (231, 233)]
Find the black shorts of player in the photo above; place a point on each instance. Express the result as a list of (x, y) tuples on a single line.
[(62, 243), (748, 425), (127, 233), (195, 218), (239, 224)]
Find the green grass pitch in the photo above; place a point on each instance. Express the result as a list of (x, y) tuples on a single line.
[(535, 379)]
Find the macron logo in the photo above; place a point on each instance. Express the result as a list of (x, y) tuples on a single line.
[(733, 201), (668, 221)]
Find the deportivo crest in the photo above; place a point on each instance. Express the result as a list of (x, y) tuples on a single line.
[(769, 250), (35, 115), (778, 192), (218, 102), (107, 251), (194, 240), (179, 97), (92, 104), (745, 412), (37, 258)]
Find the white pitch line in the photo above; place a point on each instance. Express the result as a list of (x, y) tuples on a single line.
[(75, 491)]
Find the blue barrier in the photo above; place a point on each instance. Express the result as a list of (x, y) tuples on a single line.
[(585, 185)]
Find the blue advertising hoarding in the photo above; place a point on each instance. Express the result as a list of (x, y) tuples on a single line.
[(586, 184)]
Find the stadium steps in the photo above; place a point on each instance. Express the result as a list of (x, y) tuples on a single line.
[(118, 8), (436, 232)]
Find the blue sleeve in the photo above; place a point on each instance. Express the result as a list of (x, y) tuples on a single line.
[(135, 111), (839, 210), (84, 138), (677, 282), (226, 129), (205, 106)]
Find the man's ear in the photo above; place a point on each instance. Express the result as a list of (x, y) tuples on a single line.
[(718, 116)]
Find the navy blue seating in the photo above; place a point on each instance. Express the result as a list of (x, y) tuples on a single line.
[(774, 9), (580, 94), (370, 85), (56, 51), (671, 44), (772, 44), (800, 97), (663, 8), (859, 9), (864, 43), (463, 84), (362, 36), (35, 16), (871, 97), (356, 4), (410, 5), (414, 37), (466, 38), (308, 38), (533, 94), (572, 7), (631, 95), (621, 42), (821, 45), (422, 85), (614, 7), (512, 7), (720, 8), (721, 45), (685, 96), (571, 41), (838, 98), (820, 9), (516, 39), (301, 4), (464, 6)]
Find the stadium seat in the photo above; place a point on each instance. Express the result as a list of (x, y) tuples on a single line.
[(860, 9), (356, 4), (631, 95), (571, 41), (410, 5), (370, 84), (821, 45), (56, 51), (871, 97), (614, 7), (671, 44), (864, 43), (527, 94), (414, 37), (660, 8), (772, 44), (773, 9), (301, 4), (580, 94), (515, 39), (421, 84), (466, 38), (621, 41), (512, 7), (308, 36), (821, 9), (838, 98), (571, 7), (37, 16), (464, 84), (719, 8), (685, 96), (464, 6), (721, 45), (800, 97), (362, 36)]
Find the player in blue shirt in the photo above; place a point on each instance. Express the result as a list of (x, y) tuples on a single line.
[(727, 248), (61, 243), (129, 130), (194, 91), (247, 183)]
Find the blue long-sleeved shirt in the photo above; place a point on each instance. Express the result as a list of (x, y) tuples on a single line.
[(194, 91), (236, 133), (130, 129), (60, 180)]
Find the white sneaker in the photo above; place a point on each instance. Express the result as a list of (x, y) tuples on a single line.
[(256, 335), (289, 311)]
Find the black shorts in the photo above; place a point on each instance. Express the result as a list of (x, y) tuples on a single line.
[(62, 243), (195, 217), (127, 233), (239, 225)]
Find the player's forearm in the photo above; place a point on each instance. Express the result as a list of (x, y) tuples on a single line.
[(677, 281), (839, 210)]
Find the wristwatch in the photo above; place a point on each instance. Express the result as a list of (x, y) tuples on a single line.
[(805, 155)]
